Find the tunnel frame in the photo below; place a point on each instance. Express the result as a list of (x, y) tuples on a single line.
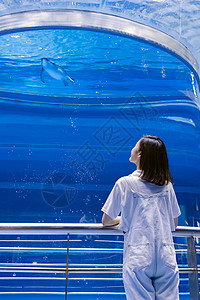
[(95, 21)]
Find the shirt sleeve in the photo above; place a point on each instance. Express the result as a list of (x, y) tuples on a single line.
[(112, 206), (175, 207)]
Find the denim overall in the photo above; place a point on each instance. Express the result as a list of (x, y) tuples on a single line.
[(147, 216), (150, 270)]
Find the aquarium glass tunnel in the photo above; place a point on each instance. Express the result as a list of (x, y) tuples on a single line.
[(80, 83)]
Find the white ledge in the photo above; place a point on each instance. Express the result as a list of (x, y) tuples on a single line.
[(79, 228)]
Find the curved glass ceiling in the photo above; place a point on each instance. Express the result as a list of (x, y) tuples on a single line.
[(64, 92), (180, 19), (85, 63)]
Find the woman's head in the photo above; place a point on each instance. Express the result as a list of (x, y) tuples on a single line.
[(150, 156)]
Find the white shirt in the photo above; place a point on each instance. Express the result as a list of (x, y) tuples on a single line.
[(143, 205)]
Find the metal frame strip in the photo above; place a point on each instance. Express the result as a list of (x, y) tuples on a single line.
[(87, 20), (79, 228), (76, 270)]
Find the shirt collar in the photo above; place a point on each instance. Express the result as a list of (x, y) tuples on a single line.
[(137, 172)]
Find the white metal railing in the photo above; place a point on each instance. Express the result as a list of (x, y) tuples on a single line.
[(79, 228), (96, 229), (73, 229)]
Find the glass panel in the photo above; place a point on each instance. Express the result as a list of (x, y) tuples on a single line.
[(179, 19), (86, 251), (63, 146), (65, 140), (94, 251), (28, 252)]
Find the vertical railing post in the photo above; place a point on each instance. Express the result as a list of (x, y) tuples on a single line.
[(67, 267), (192, 263)]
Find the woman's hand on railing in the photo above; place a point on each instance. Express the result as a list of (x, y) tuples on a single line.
[(107, 221)]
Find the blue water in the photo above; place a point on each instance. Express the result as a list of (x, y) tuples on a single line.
[(63, 147), (74, 297)]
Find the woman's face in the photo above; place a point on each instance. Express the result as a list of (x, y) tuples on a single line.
[(135, 154)]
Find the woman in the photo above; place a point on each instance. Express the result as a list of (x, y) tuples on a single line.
[(149, 214)]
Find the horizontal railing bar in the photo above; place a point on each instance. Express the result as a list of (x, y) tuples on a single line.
[(58, 228), (79, 228), (186, 231), (188, 270), (72, 249), (61, 270), (77, 270)]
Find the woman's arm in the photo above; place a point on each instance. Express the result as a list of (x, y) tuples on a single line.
[(176, 222), (108, 221)]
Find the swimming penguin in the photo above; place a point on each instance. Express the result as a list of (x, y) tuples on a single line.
[(54, 71)]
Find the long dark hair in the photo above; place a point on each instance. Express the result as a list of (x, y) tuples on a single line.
[(154, 160)]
